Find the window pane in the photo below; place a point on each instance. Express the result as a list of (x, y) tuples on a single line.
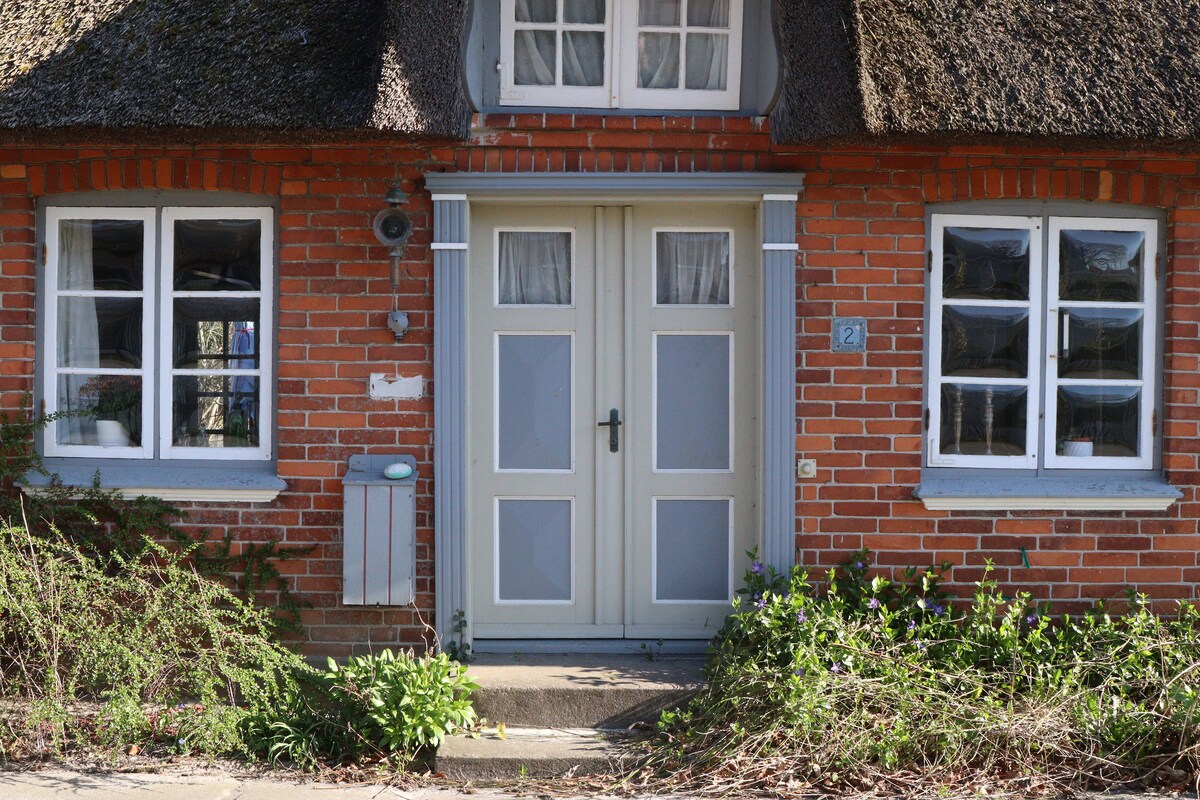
[(534, 550), (983, 420), (583, 58), (584, 12), (692, 267), (534, 402), (707, 61), (1098, 421), (535, 268), (1101, 343), (109, 409), (218, 255), (691, 550), (985, 263), (658, 12), (534, 58), (1101, 265), (985, 342), (100, 254), (215, 411), (213, 333), (537, 10), (708, 13), (658, 60), (100, 332), (693, 402)]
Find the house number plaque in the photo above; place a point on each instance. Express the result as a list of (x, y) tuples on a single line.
[(849, 334)]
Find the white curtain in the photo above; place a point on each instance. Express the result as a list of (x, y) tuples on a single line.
[(583, 58), (535, 268), (533, 51), (707, 63), (78, 328), (693, 268)]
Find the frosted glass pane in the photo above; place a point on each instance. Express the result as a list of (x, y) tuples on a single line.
[(691, 550), (534, 389), (692, 419), (100, 332), (534, 550), (692, 268)]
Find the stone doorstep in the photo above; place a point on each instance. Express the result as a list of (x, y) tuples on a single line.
[(530, 753), (581, 691)]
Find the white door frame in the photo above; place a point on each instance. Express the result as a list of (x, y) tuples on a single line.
[(452, 193)]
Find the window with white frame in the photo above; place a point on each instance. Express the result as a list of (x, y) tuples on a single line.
[(1043, 346), (158, 332), (668, 54)]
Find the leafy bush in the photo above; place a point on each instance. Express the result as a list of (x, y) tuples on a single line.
[(128, 633), (874, 683), (379, 705)]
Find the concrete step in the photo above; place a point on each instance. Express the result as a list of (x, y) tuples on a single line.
[(581, 691), (530, 753)]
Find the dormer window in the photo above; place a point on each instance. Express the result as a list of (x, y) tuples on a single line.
[(668, 54)]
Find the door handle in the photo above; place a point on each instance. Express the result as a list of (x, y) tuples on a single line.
[(614, 426)]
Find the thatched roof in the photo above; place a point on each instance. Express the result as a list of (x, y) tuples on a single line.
[(388, 65), (1101, 69)]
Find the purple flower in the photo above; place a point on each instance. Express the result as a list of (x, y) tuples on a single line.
[(873, 603), (922, 646), (801, 616), (859, 565), (836, 669), (757, 568), (912, 624), (1031, 619), (937, 609), (761, 602), (799, 672)]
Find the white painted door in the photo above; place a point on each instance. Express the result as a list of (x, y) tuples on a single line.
[(579, 315)]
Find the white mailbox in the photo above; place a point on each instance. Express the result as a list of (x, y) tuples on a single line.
[(379, 557)]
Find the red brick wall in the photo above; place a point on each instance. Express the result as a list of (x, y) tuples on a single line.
[(861, 235)]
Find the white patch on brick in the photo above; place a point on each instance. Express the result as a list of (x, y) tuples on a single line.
[(396, 387)]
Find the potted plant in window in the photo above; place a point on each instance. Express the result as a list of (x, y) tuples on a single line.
[(1080, 442), (112, 399)]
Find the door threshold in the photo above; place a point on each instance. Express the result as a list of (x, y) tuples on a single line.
[(651, 648)]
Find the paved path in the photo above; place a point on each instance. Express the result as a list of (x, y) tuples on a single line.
[(61, 784)]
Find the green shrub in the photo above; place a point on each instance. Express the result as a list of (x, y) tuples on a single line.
[(389, 705), (128, 634), (863, 680)]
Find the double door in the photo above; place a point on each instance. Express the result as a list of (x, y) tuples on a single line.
[(611, 428)]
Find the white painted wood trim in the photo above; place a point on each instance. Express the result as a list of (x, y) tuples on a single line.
[(448, 246), (780, 246), (1048, 503), (435, 197), (781, 198), (185, 495)]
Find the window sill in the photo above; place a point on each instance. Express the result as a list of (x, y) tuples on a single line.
[(175, 484), (980, 492)]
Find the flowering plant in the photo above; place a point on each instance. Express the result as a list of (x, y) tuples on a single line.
[(110, 395)]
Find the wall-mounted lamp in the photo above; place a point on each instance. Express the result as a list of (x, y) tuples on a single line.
[(392, 228), (398, 323)]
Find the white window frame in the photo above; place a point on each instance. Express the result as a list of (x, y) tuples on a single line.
[(620, 89), (1044, 314), (263, 339), (157, 330), (54, 217), (1147, 383)]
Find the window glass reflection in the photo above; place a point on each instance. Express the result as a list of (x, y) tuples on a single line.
[(1098, 421), (1101, 265), (985, 263), (983, 420), (985, 342)]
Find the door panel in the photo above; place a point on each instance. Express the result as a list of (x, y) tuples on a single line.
[(576, 312)]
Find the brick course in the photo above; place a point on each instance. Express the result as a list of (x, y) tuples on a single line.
[(862, 242)]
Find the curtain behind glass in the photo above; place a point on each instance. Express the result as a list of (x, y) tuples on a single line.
[(78, 327), (535, 268), (693, 268), (583, 58)]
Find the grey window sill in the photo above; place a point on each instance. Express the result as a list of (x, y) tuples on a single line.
[(976, 490), (184, 483)]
